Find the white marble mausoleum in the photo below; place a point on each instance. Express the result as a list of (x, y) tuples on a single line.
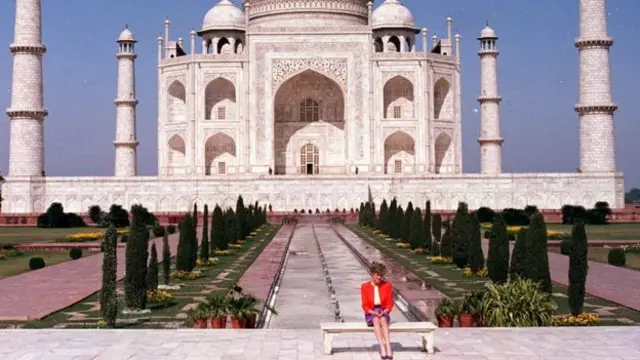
[(306, 104)]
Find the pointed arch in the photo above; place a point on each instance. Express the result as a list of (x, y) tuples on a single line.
[(394, 44), (378, 45), (309, 159), (239, 47), (224, 46), (399, 151), (220, 100), (442, 100), (176, 154), (220, 153), (398, 98), (443, 154), (176, 103)]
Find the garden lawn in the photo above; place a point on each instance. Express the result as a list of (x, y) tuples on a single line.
[(218, 278), (16, 265), (630, 231), (22, 235), (449, 280), (600, 254)]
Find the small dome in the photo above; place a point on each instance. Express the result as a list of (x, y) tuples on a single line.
[(488, 33), (223, 16), (392, 14), (126, 35)]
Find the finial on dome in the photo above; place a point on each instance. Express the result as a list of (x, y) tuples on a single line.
[(425, 30)]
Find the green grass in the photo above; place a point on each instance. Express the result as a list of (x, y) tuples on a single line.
[(452, 283), (17, 265), (630, 231), (165, 315), (599, 254), (22, 235)]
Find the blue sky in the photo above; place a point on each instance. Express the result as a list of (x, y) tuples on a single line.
[(538, 77)]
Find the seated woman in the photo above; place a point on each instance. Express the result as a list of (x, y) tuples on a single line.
[(377, 303)]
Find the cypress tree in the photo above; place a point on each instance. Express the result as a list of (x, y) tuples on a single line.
[(406, 224), (392, 219), (437, 235), (204, 244), (193, 236), (137, 253), (185, 242), (476, 255), (498, 259), (427, 226), (446, 246), (400, 223), (195, 215), (152, 270), (166, 259), (231, 227), (578, 268), (460, 232), (416, 236), (241, 219), (519, 255), (219, 239), (108, 296), (383, 217), (537, 260)]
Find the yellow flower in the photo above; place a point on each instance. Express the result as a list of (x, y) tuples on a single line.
[(158, 296), (584, 319), (186, 275), (403, 245), (3, 255), (222, 252), (213, 261), (441, 260)]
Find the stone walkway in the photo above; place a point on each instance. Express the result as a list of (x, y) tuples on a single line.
[(614, 343), (619, 285), (36, 294), (258, 279)]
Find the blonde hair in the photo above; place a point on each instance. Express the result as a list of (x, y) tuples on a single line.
[(378, 268)]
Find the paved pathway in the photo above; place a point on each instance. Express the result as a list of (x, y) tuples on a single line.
[(258, 279), (36, 294), (612, 343), (619, 285), (302, 301)]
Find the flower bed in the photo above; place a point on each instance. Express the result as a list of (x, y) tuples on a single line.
[(440, 260), (631, 249), (210, 262), (90, 236), (482, 273), (186, 275), (158, 296), (513, 231), (585, 319)]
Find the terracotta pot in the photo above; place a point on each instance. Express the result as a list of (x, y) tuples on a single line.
[(445, 321), (200, 324), (465, 320), (238, 323), (251, 321), (219, 323)]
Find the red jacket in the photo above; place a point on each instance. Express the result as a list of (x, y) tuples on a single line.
[(386, 296)]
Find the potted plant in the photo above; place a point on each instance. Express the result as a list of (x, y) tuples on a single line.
[(218, 307), (238, 309), (465, 314), (199, 316), (445, 313), (251, 310), (476, 300)]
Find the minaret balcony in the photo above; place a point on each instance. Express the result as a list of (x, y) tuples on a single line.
[(608, 109), (486, 99), (38, 49), (126, 143), (126, 102), (584, 43), (38, 114)]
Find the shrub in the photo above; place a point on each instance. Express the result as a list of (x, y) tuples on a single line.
[(95, 214), (416, 237), (578, 268), (119, 216), (485, 215), (183, 257), (204, 244), (537, 256), (75, 253), (137, 253), (476, 255), (108, 296), (171, 229), (498, 258), (241, 219), (565, 247), (152, 270), (36, 263), (460, 232), (446, 246), (124, 238), (218, 238), (519, 255), (617, 257), (427, 227), (166, 259), (437, 234), (517, 303), (158, 231)]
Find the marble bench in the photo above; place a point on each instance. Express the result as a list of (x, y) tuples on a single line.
[(426, 330)]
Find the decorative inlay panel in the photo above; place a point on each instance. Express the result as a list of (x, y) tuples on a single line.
[(282, 68)]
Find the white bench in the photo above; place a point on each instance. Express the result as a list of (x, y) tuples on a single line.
[(426, 330)]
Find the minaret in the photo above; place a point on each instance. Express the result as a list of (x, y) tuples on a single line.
[(595, 108), (489, 99), (27, 112), (126, 143)]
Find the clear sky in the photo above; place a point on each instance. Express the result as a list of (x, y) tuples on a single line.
[(538, 78)]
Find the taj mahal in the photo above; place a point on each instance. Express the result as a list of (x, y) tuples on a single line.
[(306, 104)]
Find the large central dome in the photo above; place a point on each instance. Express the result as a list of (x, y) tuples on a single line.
[(307, 13)]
